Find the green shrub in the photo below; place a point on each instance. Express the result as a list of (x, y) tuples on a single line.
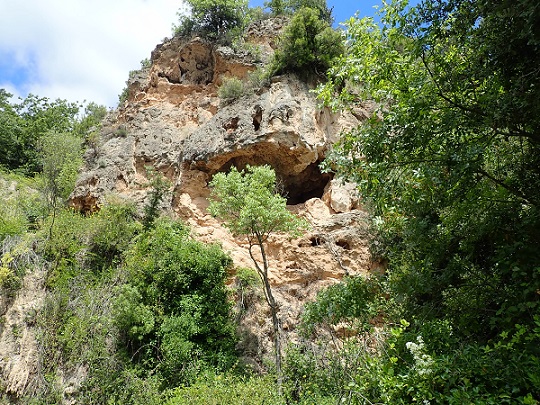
[(258, 78), (22, 205), (354, 302), (213, 18), (227, 389), (159, 188), (12, 219), (231, 89), (110, 233), (320, 6), (308, 45), (92, 244), (9, 281), (174, 313)]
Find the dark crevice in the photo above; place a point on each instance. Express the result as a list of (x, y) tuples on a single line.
[(343, 244), (257, 118), (231, 125)]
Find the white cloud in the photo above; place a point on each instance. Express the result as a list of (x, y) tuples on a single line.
[(81, 49)]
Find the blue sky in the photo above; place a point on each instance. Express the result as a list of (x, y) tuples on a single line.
[(83, 50), (343, 9)]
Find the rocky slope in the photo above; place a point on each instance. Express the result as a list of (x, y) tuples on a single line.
[(174, 121)]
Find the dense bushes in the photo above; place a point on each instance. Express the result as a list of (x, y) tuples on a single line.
[(142, 309), (213, 18), (404, 363), (308, 45), (25, 124), (174, 306)]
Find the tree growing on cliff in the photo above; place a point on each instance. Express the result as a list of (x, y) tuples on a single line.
[(308, 44), (213, 18), (61, 158), (251, 207)]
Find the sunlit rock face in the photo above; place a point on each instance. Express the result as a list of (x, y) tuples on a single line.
[(174, 122)]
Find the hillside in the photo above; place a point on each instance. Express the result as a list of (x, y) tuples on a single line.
[(279, 212)]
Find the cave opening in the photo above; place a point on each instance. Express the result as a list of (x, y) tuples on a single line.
[(308, 184), (296, 187)]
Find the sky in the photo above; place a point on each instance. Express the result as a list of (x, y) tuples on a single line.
[(83, 50)]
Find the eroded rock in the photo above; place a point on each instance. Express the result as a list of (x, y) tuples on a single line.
[(174, 122)]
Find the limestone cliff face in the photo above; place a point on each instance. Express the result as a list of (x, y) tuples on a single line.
[(174, 121)]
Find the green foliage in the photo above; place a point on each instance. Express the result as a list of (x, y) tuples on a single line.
[(160, 186), (324, 13), (248, 203), (227, 389), (231, 89), (109, 234), (213, 18), (23, 206), (173, 311), (308, 45), (61, 155), (24, 124), (155, 320), (354, 302), (448, 164), (288, 7), (454, 184), (277, 7), (12, 219), (9, 282), (89, 124), (258, 79), (73, 242)]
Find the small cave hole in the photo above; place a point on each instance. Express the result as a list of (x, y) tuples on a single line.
[(316, 241), (257, 118), (231, 125), (343, 244), (306, 185)]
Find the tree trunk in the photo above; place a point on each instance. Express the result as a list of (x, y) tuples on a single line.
[(274, 309)]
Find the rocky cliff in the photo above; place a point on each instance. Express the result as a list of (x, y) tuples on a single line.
[(174, 121)]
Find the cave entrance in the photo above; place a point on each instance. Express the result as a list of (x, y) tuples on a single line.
[(296, 187), (310, 183)]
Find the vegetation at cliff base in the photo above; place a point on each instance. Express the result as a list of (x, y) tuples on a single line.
[(138, 311), (448, 163)]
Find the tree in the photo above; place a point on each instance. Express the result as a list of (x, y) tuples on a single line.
[(61, 158), (450, 159), (22, 125), (324, 13), (308, 44), (277, 7), (250, 206), (289, 7), (160, 186), (213, 18), (173, 312)]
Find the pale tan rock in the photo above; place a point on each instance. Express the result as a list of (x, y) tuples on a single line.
[(19, 349), (341, 196), (174, 121)]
